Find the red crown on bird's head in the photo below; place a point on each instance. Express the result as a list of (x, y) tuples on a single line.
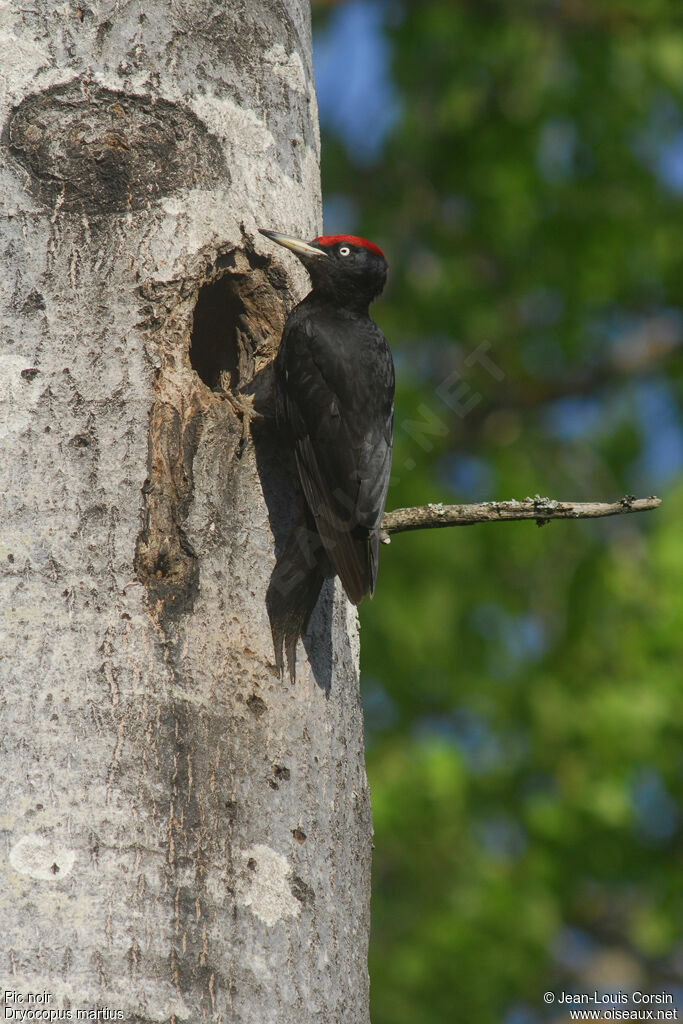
[(352, 240)]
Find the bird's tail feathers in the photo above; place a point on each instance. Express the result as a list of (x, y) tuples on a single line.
[(294, 587), (349, 553)]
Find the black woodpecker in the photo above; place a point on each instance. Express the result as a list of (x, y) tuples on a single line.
[(334, 406)]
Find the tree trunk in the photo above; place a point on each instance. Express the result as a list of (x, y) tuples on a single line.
[(186, 837)]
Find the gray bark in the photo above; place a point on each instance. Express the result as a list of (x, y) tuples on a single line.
[(183, 836)]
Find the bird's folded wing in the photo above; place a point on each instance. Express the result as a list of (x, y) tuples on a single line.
[(343, 457), (347, 546)]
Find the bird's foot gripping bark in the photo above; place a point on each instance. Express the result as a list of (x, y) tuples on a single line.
[(254, 404), (243, 406), (294, 587)]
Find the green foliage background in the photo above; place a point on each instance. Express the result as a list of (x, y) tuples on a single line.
[(523, 690)]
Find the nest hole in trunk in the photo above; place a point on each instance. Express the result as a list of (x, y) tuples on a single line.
[(215, 343)]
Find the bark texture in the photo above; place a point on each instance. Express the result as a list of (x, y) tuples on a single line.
[(183, 837)]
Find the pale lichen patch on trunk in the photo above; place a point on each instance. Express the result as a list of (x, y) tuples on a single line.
[(264, 885), (41, 858)]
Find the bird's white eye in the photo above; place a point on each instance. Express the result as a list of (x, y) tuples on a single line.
[(344, 250)]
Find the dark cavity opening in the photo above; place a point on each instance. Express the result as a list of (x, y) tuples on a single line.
[(214, 348)]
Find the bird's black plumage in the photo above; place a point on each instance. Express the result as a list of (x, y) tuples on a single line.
[(335, 386), (334, 394)]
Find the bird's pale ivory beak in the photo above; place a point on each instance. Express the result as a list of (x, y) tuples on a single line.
[(297, 246)]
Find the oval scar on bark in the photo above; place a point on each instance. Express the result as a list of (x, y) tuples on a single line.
[(100, 151)]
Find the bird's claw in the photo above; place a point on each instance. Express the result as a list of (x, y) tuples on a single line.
[(243, 406)]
